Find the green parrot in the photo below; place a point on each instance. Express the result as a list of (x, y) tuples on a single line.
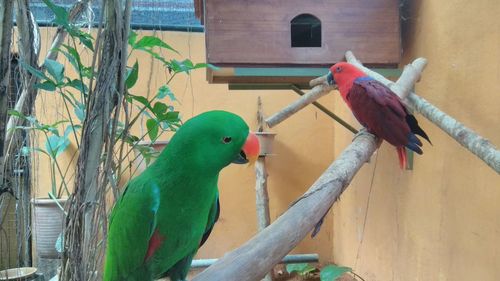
[(167, 212)]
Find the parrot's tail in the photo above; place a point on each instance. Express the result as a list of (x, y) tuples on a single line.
[(402, 157)]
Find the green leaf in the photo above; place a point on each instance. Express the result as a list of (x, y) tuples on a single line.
[(70, 129), (34, 71), (55, 69), (159, 108), (301, 268), (73, 57), (171, 117), (148, 42), (16, 113), (157, 56), (142, 100), (131, 139), (153, 128), (164, 91), (60, 13), (132, 37), (86, 39), (79, 85), (80, 111), (55, 145), (132, 75), (332, 272), (181, 66), (211, 66), (205, 65), (46, 85)]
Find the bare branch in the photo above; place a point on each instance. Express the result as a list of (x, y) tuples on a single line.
[(314, 94), (479, 146), (475, 143), (318, 81)]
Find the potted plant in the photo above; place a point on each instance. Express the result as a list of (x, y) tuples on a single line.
[(48, 211)]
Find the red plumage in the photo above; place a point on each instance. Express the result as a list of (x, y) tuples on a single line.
[(378, 109)]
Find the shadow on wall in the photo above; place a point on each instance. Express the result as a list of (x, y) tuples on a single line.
[(409, 11)]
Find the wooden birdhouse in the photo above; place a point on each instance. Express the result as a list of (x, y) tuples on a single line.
[(290, 41)]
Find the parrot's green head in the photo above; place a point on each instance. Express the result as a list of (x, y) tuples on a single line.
[(213, 140)]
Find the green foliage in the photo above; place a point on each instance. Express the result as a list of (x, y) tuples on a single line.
[(332, 272), (327, 273), (302, 269), (159, 115), (132, 75)]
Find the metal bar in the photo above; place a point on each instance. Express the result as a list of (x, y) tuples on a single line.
[(136, 26), (264, 86), (302, 258)]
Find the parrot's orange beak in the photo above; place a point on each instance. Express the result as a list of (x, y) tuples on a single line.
[(250, 151), (251, 148)]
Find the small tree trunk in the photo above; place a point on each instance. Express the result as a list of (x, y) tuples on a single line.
[(5, 41), (86, 218)]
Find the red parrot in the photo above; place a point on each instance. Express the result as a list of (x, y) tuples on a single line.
[(378, 109)]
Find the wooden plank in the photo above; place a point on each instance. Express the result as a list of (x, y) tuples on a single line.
[(258, 32), (287, 75)]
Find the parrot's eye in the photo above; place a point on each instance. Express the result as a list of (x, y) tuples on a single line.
[(226, 139), (339, 69)]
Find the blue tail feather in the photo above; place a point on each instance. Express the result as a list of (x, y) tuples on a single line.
[(414, 143)]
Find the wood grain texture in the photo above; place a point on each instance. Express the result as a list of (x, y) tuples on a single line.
[(258, 32)]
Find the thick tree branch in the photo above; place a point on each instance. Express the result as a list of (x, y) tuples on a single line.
[(476, 144)]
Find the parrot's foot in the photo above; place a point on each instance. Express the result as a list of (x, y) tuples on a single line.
[(364, 131)]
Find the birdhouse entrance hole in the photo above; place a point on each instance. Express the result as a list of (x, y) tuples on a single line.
[(306, 31)]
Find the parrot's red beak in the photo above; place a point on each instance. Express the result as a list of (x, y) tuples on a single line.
[(250, 151)]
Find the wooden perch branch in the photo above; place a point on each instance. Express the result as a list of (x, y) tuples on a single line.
[(257, 256), (314, 94), (476, 144)]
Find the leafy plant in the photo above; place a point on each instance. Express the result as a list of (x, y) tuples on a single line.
[(159, 113), (333, 272), (327, 273)]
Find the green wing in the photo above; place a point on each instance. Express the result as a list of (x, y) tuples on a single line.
[(179, 271), (213, 216), (131, 226)]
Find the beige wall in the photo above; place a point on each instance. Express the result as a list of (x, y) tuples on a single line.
[(437, 222), (303, 147), (441, 220)]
